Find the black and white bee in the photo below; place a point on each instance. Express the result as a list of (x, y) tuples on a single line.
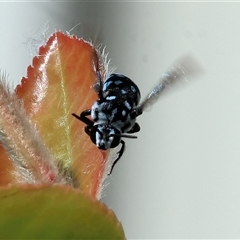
[(113, 115)]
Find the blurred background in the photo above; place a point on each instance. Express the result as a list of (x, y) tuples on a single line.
[(181, 177)]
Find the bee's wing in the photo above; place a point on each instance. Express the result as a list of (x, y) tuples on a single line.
[(97, 86), (177, 74), (102, 68)]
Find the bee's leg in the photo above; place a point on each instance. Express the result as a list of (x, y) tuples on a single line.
[(83, 117), (136, 112), (120, 153), (135, 128)]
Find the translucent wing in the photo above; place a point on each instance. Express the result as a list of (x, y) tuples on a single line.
[(102, 67), (177, 74)]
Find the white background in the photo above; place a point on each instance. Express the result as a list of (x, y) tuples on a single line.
[(181, 177)]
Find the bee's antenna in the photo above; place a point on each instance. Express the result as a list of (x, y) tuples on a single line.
[(123, 135)]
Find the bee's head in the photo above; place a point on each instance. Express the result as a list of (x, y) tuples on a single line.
[(104, 136)]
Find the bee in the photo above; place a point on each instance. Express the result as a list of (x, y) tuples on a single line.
[(114, 113)]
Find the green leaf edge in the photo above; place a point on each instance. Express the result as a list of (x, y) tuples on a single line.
[(54, 212)]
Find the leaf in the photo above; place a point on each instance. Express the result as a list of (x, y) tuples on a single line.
[(54, 212), (8, 172), (46, 144), (59, 83), (22, 143)]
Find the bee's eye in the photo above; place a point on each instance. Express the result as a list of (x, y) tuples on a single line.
[(94, 134), (115, 141)]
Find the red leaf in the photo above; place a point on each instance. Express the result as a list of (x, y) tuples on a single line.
[(59, 83)]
